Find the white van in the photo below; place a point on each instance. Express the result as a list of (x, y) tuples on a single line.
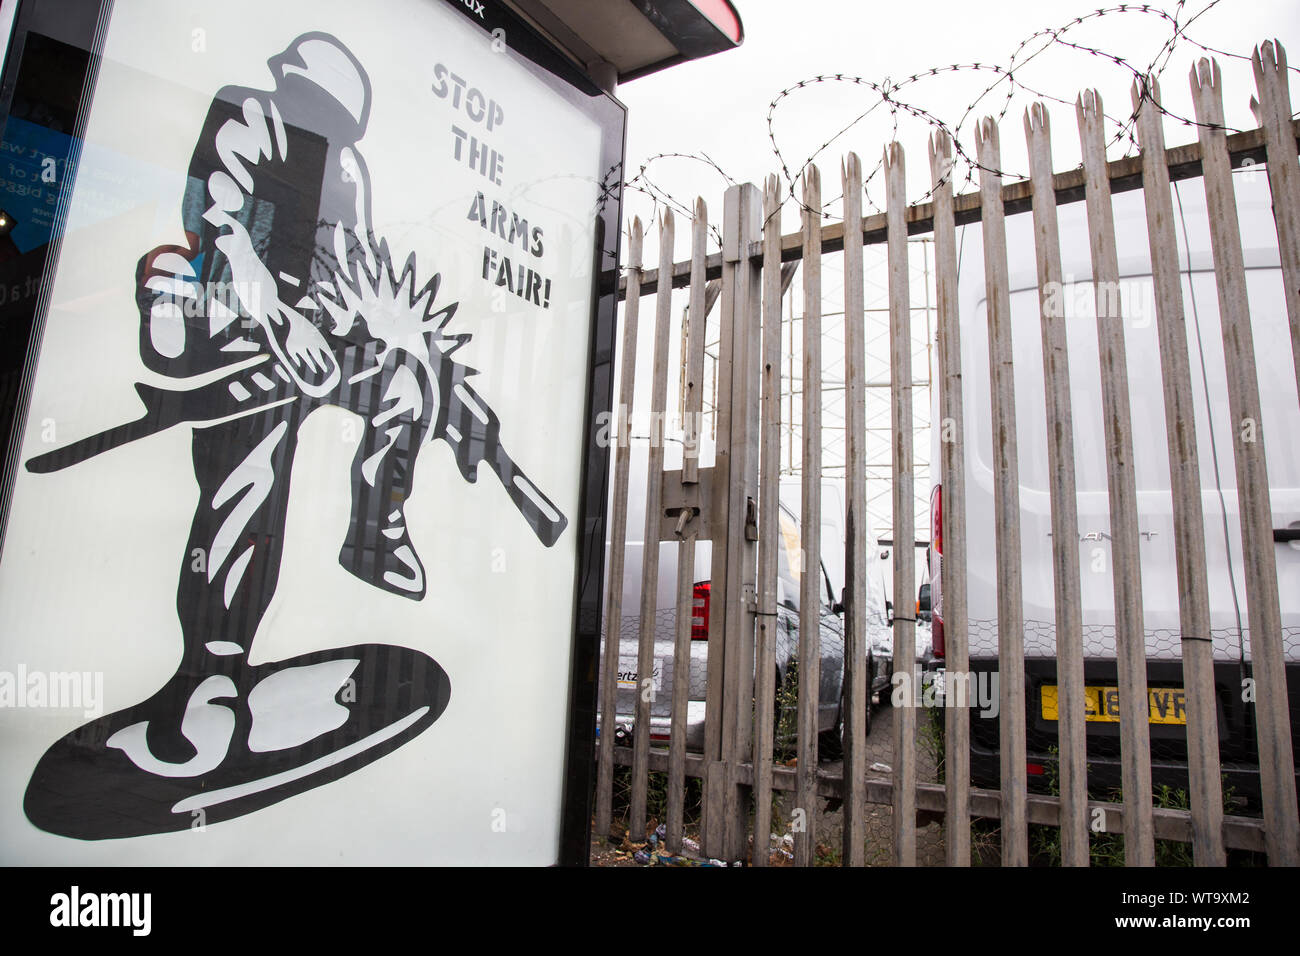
[(1227, 593)]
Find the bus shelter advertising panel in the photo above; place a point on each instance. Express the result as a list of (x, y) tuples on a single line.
[(306, 333)]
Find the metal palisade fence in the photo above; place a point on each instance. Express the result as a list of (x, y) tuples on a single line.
[(747, 745)]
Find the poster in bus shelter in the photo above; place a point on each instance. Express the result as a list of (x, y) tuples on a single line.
[(288, 571)]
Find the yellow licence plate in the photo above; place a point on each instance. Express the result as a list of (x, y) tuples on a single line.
[(1168, 705)]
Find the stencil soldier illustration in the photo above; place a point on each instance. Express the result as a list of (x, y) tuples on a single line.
[(284, 300)]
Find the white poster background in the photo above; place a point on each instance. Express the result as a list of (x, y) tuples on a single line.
[(92, 553)]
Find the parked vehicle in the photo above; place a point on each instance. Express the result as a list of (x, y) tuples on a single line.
[(1214, 432), (879, 616), (789, 550)]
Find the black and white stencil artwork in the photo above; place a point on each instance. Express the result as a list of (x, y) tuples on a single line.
[(279, 299)]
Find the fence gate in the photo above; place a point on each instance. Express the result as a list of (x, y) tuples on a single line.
[(760, 736)]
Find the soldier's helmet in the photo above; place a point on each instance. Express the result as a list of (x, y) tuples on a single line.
[(320, 76)]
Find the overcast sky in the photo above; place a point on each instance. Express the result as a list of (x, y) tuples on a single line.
[(720, 105)]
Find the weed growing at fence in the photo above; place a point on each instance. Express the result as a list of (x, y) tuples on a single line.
[(786, 739), (827, 855), (985, 842), (656, 800), (931, 739), (1107, 849)]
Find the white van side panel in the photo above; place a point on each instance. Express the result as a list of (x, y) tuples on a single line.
[(1281, 411)]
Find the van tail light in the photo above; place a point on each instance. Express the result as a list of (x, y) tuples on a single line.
[(936, 520), (936, 569), (700, 612)]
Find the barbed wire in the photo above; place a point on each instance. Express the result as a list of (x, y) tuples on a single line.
[(641, 183), (896, 98)]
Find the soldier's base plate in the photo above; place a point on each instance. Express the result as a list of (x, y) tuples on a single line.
[(257, 735)]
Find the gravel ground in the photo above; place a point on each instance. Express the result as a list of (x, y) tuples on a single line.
[(880, 752), (829, 822)]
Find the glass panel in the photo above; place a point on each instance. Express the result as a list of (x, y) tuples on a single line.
[(319, 269)]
